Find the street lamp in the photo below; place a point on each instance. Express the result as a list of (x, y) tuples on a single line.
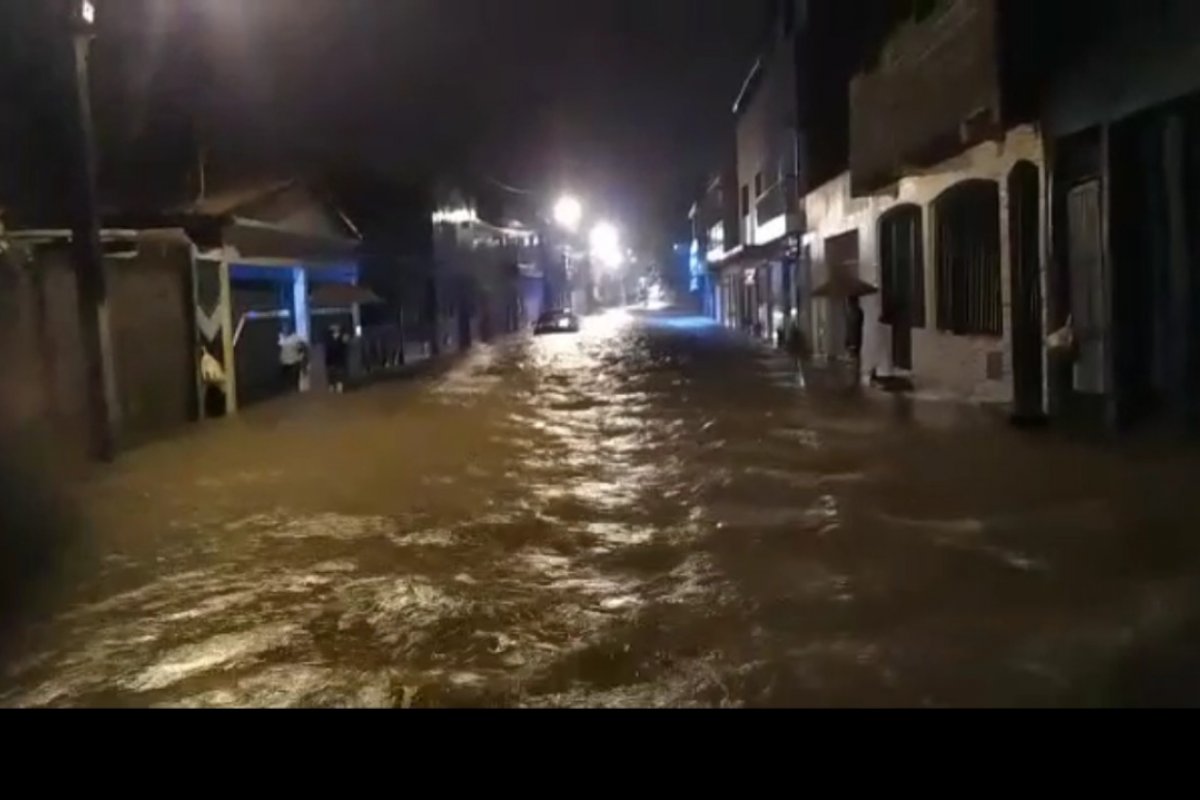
[(568, 213), (82, 14), (606, 245)]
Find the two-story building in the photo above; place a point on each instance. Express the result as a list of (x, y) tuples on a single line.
[(759, 273), (394, 218), (715, 233), (941, 207), (792, 134), (485, 261)]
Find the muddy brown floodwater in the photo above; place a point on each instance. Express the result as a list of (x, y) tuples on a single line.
[(649, 513)]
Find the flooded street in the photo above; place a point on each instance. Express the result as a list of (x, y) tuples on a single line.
[(649, 513)]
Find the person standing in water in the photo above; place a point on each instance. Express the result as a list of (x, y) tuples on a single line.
[(797, 346), (293, 356), (855, 322), (337, 353), (215, 384)]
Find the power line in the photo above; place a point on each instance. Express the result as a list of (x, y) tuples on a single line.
[(508, 188)]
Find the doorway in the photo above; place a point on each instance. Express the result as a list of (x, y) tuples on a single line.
[(1027, 331), (841, 262), (902, 263), (1089, 290)]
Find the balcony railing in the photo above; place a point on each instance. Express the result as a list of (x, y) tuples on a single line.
[(778, 201)]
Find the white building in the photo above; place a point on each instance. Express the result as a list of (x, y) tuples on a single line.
[(936, 245), (943, 210)]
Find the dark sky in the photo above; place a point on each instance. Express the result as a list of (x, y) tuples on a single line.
[(625, 101)]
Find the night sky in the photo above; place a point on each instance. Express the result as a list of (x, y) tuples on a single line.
[(627, 102)]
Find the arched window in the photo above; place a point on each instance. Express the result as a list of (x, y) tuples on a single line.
[(902, 266), (970, 298)]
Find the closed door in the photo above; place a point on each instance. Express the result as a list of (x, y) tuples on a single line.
[(841, 258), (1089, 289), (902, 265)]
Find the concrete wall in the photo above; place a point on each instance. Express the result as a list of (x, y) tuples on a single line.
[(935, 89), (152, 334), (154, 340), (40, 346), (943, 363)]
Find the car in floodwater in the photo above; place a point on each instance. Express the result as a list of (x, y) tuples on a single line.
[(556, 322)]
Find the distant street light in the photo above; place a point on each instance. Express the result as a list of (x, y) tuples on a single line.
[(568, 213), (606, 245)]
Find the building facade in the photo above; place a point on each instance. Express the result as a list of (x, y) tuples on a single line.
[(941, 209), (757, 276), (941, 247), (485, 267), (1019, 181), (792, 135), (1121, 108), (715, 233), (263, 251)]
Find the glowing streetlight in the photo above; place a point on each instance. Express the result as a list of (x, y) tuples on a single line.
[(606, 245), (568, 213)]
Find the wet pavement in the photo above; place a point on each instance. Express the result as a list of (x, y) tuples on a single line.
[(649, 513)]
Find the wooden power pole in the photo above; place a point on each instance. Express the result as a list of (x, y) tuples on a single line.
[(91, 284)]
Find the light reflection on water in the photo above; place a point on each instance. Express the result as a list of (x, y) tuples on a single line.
[(635, 515)]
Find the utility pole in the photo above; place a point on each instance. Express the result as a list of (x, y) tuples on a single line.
[(91, 285)]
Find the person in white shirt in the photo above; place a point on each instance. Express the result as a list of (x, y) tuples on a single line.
[(213, 376), (293, 356)]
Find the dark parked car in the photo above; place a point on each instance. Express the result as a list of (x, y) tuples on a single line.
[(556, 322)]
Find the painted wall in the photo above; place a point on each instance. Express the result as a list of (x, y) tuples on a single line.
[(40, 343), (154, 340), (152, 334), (943, 363)]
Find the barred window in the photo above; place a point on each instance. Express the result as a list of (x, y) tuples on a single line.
[(902, 266), (970, 298)]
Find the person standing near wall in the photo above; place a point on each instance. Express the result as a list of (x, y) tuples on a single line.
[(337, 353), (797, 346), (215, 385), (293, 356), (855, 323)]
